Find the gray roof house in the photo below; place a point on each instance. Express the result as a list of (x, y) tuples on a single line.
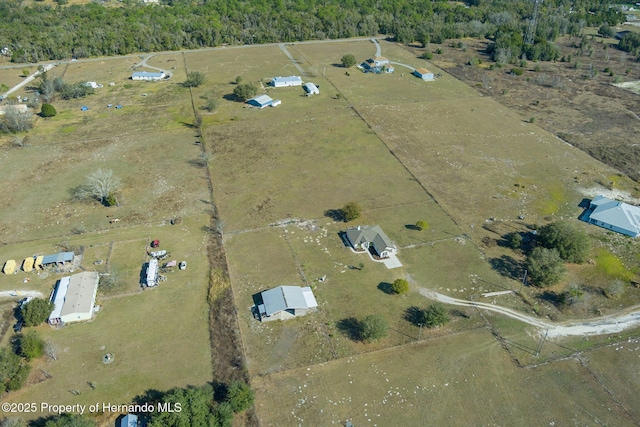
[(286, 302), (614, 215), (364, 237)]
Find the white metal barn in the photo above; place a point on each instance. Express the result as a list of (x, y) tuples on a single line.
[(286, 302), (262, 101), (286, 81), (74, 298), (423, 73), (311, 89)]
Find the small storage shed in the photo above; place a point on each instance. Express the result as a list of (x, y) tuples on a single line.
[(27, 264), (38, 262), (311, 89), (9, 266), (58, 259), (423, 73)]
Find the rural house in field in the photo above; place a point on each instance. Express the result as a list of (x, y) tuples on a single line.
[(613, 215), (423, 74), (286, 81), (262, 101), (148, 76), (286, 302), (74, 298), (371, 236)]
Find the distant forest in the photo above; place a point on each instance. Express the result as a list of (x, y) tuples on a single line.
[(43, 32)]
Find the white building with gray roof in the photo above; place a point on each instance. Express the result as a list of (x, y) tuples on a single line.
[(74, 298), (286, 302), (614, 215)]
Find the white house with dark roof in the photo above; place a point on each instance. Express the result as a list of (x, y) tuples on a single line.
[(286, 81), (614, 215), (74, 298), (364, 237), (286, 302)]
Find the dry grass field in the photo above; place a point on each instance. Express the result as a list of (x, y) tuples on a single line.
[(404, 149), (150, 145), (445, 154), (464, 379)]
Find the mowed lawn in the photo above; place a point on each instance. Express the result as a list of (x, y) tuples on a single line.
[(465, 379)]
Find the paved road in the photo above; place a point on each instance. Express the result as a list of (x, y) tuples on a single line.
[(614, 323)]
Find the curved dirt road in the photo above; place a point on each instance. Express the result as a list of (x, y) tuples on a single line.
[(604, 325)]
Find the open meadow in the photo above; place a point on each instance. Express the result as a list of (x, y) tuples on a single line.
[(266, 183), (405, 150), (463, 379)]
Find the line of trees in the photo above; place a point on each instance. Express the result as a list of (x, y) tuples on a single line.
[(39, 32)]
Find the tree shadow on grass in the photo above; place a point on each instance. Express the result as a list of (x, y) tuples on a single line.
[(551, 297), (335, 214), (350, 327), (414, 315), (386, 288), (507, 266), (199, 163)]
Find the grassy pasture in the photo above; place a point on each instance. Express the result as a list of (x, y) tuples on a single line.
[(346, 293), (12, 77), (144, 330), (153, 190), (426, 383), (333, 151), (149, 144), (468, 150)]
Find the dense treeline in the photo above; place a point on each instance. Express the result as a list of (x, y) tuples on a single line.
[(42, 32)]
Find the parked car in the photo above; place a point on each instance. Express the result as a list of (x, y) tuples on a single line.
[(183, 265)]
